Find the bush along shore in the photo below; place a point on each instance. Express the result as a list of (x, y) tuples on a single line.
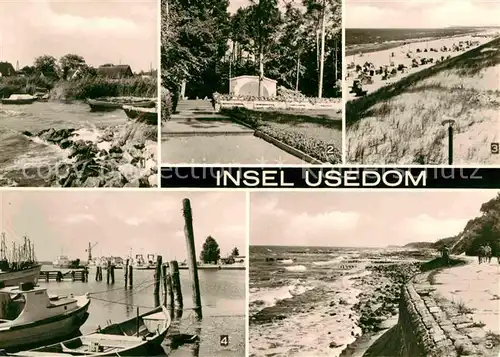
[(80, 89), (121, 156), (308, 144)]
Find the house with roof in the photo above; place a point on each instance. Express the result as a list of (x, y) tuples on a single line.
[(115, 72), (7, 69)]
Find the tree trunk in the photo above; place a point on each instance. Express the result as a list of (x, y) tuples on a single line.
[(322, 58), (298, 73), (261, 72)]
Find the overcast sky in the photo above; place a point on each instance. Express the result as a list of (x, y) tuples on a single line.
[(421, 13), (148, 222), (102, 31), (361, 219)]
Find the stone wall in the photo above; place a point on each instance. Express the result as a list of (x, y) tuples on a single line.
[(432, 327)]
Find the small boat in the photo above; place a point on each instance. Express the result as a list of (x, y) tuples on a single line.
[(42, 96), (138, 336), (19, 99), (32, 317), (110, 104), (143, 115)]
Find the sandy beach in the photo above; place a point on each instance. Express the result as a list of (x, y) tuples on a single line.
[(405, 55)]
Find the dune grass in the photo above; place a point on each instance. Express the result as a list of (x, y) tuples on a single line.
[(402, 123)]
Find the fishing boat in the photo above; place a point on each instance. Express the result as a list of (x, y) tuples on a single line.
[(138, 336), (22, 267), (143, 115), (110, 104), (19, 99), (61, 261), (31, 317), (140, 263)]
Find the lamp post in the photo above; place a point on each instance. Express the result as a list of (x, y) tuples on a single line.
[(450, 122)]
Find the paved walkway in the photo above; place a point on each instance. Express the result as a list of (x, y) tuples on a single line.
[(477, 286), (199, 135)]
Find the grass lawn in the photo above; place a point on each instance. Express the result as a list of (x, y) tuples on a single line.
[(315, 134)]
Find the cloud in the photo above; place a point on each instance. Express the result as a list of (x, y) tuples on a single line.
[(334, 221), (429, 227), (78, 218)]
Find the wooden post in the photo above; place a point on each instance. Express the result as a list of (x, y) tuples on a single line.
[(130, 276), (96, 273), (164, 279), (108, 272), (126, 273), (157, 280), (137, 322), (176, 285), (169, 290), (112, 268), (46, 276), (193, 267)]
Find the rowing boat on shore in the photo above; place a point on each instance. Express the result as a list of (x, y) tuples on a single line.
[(19, 99), (143, 115), (139, 336), (109, 104)]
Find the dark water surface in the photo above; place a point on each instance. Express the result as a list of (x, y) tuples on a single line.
[(21, 156), (222, 295)]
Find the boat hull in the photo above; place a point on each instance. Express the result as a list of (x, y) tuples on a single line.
[(39, 332), (18, 101), (103, 106), (14, 278), (138, 115)]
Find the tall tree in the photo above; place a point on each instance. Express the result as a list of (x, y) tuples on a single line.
[(235, 252), (47, 65), (210, 251), (70, 63)]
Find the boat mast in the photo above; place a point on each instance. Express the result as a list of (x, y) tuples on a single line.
[(3, 248)]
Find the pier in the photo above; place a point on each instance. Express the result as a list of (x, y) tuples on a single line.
[(70, 275)]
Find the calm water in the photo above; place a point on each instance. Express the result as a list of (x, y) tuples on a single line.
[(20, 154), (223, 300), (363, 36)]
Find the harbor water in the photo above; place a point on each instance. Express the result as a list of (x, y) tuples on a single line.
[(24, 160), (222, 295)]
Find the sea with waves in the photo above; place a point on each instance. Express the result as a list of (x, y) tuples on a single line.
[(223, 295), (27, 161), (362, 40), (302, 299)]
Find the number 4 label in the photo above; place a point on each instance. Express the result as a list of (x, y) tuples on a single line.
[(224, 340)]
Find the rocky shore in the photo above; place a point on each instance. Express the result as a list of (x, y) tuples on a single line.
[(121, 156)]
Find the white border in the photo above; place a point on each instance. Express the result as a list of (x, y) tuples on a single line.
[(344, 87), (158, 86)]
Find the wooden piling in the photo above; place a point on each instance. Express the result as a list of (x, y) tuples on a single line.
[(108, 272), (169, 291), (176, 285), (193, 267), (112, 268), (130, 276), (126, 272), (157, 280)]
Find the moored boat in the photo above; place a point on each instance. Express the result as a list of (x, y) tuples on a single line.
[(138, 336), (31, 317), (23, 268), (110, 104), (19, 99), (61, 261), (143, 115)]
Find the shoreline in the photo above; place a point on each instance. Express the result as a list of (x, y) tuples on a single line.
[(358, 320)]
